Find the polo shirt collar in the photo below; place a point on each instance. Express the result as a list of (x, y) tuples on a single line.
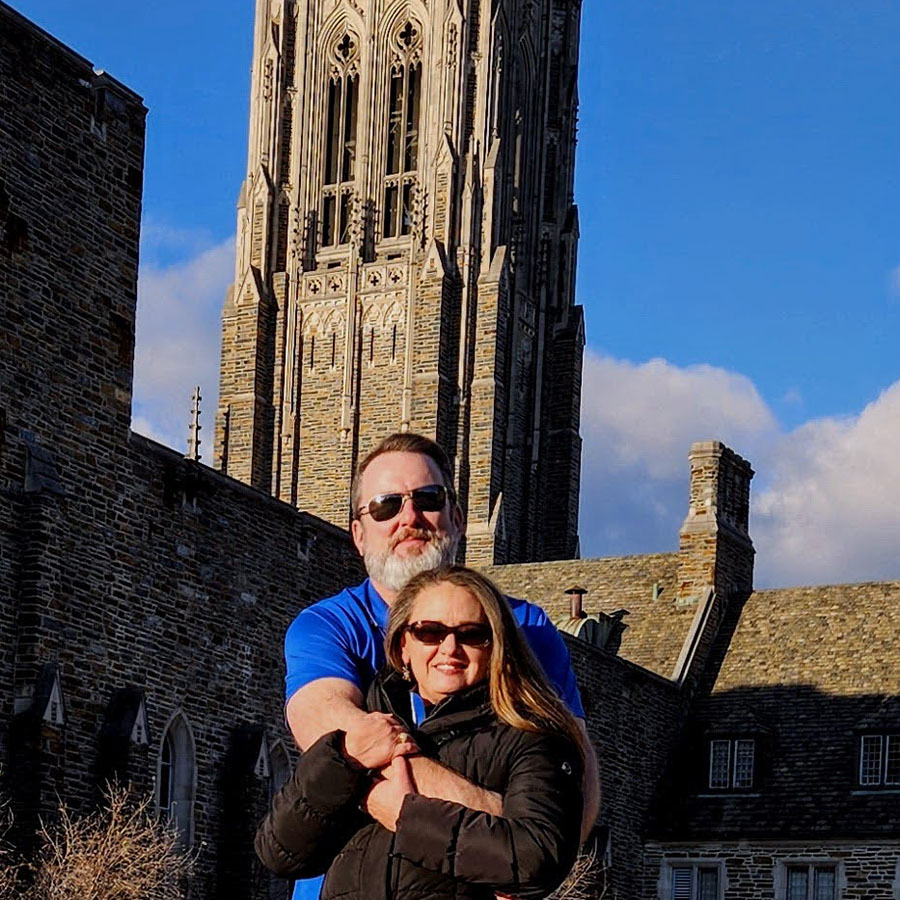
[(378, 609)]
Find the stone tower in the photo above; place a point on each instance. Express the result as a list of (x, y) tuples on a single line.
[(406, 247)]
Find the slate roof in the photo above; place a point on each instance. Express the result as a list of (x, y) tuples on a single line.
[(656, 628), (806, 671)]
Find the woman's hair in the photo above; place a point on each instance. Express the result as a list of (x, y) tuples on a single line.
[(521, 696)]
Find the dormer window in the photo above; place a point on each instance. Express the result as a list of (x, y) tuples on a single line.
[(879, 760), (731, 763)]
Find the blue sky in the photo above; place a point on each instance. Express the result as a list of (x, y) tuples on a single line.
[(739, 195), (744, 192)]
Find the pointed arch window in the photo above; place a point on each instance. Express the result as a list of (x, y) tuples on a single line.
[(402, 139), (279, 773), (339, 163), (175, 781)]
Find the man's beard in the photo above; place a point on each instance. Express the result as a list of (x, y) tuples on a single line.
[(392, 571)]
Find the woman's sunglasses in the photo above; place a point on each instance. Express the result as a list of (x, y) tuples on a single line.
[(472, 634), (431, 498)]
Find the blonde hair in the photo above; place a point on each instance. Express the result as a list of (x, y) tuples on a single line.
[(521, 696)]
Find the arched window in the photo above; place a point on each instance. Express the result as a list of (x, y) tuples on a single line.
[(175, 781), (339, 174), (402, 142), (279, 768), (279, 773)]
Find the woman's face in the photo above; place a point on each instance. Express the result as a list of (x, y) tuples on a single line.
[(449, 666)]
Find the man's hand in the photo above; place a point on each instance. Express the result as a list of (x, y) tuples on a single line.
[(386, 796), (376, 739)]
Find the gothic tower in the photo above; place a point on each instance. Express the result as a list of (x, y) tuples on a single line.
[(406, 245)]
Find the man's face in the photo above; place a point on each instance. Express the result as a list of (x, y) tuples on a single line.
[(412, 541)]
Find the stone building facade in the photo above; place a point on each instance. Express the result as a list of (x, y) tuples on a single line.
[(786, 778), (406, 244), (749, 740), (142, 596)]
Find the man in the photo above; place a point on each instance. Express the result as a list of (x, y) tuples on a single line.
[(405, 520)]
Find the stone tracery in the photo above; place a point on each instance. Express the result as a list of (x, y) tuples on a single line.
[(340, 147), (402, 139)]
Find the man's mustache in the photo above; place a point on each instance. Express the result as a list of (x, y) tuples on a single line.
[(406, 532)]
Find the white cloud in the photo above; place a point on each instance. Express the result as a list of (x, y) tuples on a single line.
[(638, 422), (148, 428), (648, 414), (826, 501), (831, 510), (177, 344)]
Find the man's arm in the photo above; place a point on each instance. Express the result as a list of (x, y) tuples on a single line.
[(430, 779), (323, 705), (436, 781), (327, 704)]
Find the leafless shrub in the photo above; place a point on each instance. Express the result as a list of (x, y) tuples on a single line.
[(121, 852), (10, 865), (586, 880)]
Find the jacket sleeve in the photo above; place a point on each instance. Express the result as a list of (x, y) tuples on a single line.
[(314, 814), (528, 850)]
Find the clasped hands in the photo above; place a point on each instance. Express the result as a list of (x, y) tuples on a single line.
[(379, 741)]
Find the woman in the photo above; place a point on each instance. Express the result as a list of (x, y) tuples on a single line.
[(489, 715)]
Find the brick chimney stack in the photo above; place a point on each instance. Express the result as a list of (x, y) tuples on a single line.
[(715, 549)]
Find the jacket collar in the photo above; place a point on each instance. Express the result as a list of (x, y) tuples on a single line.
[(390, 691)]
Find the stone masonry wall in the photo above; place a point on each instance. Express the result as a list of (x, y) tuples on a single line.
[(558, 493), (243, 440), (179, 582), (71, 163), (68, 269), (483, 425), (753, 870), (714, 541), (633, 718)]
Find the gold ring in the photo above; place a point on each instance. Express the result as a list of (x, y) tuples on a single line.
[(402, 737)]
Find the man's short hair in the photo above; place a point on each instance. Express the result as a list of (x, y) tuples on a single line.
[(404, 442)]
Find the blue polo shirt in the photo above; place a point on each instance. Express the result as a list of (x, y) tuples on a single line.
[(343, 637)]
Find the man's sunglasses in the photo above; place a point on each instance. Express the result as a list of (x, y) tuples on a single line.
[(472, 634), (431, 498)]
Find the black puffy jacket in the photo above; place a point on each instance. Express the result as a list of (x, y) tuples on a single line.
[(440, 849)]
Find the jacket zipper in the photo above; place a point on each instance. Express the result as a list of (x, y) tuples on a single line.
[(392, 875)]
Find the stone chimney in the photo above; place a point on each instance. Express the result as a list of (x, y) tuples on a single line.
[(715, 550)]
